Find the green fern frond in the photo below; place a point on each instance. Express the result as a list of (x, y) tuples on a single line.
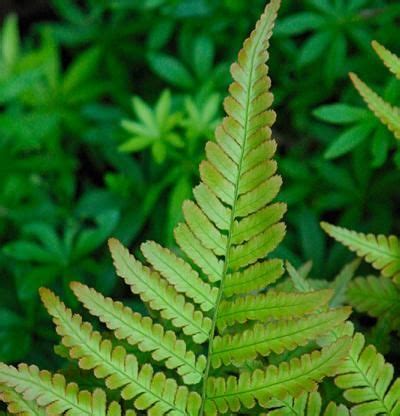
[(17, 404), (378, 297), (305, 405), (367, 381), (141, 331), (386, 113), (391, 60), (381, 251), (152, 391), (211, 305), (52, 392)]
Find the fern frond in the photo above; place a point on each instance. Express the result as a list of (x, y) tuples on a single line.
[(368, 381), (391, 60), (293, 377), (219, 281), (386, 113), (381, 251), (378, 297), (54, 394), (152, 392), (141, 331), (275, 336), (17, 404), (159, 294), (271, 305)]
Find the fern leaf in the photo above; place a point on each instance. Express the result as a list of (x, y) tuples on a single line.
[(387, 114), (218, 213), (180, 275), (367, 381), (203, 257), (17, 404), (275, 336), (272, 305), (141, 331), (54, 394), (160, 296), (203, 228), (253, 225), (254, 278), (389, 59), (378, 297), (152, 392), (381, 251), (256, 248), (296, 376)]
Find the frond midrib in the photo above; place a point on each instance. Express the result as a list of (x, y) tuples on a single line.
[(232, 219)]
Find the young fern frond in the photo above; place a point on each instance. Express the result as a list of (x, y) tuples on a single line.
[(381, 251), (385, 112), (210, 321)]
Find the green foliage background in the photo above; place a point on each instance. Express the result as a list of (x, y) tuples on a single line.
[(88, 148)]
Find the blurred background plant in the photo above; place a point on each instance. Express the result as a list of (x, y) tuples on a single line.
[(105, 108)]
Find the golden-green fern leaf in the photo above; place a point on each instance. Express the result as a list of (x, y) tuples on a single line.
[(381, 251), (212, 320)]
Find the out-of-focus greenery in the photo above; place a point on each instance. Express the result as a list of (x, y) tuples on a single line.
[(89, 149)]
